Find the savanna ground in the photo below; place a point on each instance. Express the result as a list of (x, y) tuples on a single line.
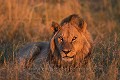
[(25, 21)]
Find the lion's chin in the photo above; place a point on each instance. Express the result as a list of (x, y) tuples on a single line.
[(67, 59)]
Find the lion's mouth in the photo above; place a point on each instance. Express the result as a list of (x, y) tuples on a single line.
[(67, 58)]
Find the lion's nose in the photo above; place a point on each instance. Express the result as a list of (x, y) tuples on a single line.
[(66, 51)]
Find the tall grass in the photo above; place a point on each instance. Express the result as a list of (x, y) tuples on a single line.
[(25, 21)]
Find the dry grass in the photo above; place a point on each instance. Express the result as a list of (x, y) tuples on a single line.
[(24, 21)]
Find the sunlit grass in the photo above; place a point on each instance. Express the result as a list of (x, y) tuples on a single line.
[(25, 21)]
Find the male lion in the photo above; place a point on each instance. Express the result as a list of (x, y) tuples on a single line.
[(70, 44)]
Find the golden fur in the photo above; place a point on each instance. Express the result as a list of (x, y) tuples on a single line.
[(70, 44)]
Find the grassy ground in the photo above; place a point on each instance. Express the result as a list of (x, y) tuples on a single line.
[(25, 21)]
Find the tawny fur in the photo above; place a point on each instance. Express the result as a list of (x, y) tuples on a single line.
[(70, 44)]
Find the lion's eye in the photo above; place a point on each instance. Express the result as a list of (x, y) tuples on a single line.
[(74, 38), (61, 38)]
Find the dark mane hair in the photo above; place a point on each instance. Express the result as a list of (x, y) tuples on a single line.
[(74, 18)]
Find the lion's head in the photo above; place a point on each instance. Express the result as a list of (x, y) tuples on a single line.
[(71, 41)]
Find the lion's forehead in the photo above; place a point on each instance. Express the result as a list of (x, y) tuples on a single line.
[(68, 31)]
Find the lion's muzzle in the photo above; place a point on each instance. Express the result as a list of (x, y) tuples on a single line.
[(66, 55), (66, 51)]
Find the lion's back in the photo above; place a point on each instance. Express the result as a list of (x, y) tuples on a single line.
[(36, 49)]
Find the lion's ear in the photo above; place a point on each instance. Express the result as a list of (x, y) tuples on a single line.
[(55, 27), (82, 24), (79, 22)]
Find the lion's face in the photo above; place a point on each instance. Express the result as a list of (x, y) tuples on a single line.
[(69, 42)]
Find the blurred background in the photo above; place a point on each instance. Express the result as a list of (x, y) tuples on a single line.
[(25, 21), (28, 20)]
